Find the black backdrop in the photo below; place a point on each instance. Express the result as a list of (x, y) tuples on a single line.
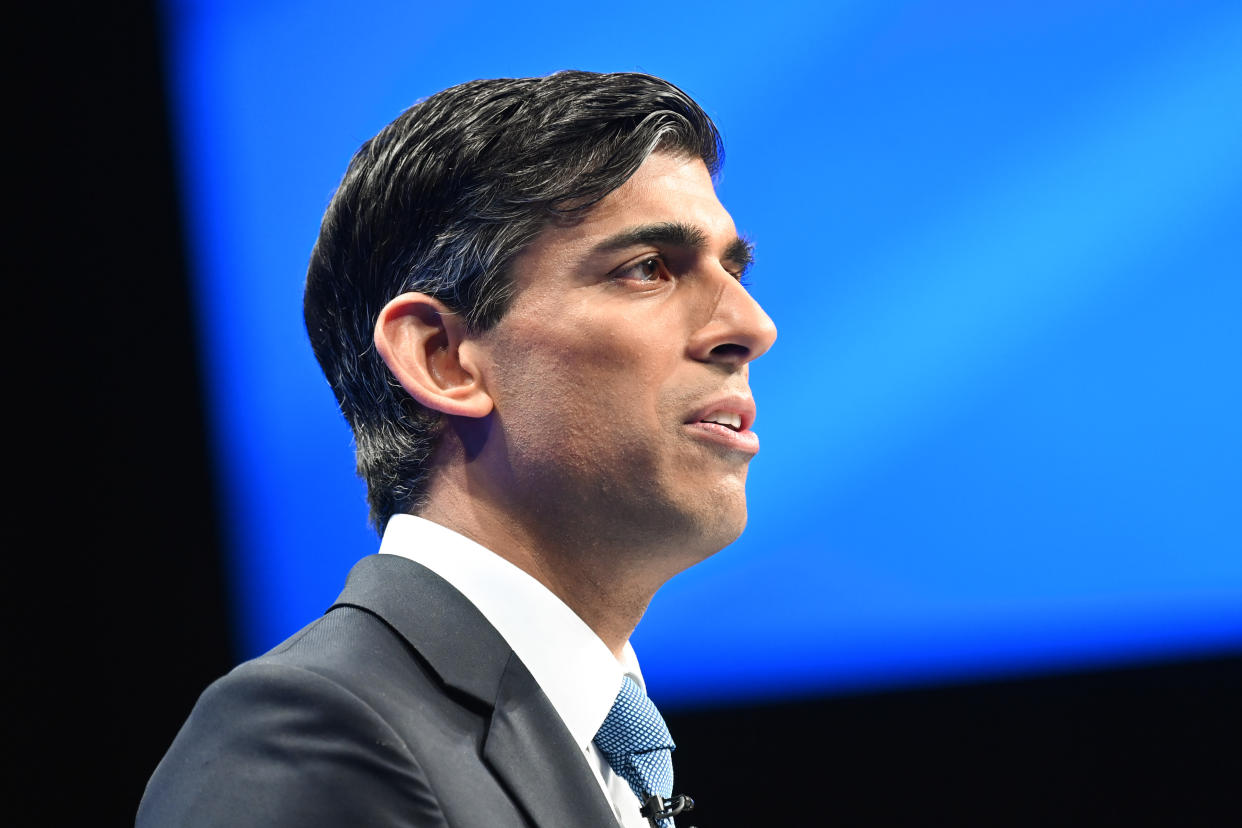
[(130, 553)]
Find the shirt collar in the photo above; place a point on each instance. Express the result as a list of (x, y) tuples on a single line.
[(571, 664)]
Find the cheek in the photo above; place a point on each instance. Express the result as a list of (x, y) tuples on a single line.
[(590, 389), (584, 352)]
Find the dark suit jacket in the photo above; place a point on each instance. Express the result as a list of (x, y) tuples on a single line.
[(400, 706)]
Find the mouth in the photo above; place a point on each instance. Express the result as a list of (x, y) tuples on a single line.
[(726, 423), (728, 419)]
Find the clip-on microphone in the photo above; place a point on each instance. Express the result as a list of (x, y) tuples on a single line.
[(657, 808)]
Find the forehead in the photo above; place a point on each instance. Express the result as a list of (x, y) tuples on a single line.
[(665, 189)]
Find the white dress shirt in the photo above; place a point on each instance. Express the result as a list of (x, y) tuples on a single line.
[(572, 665)]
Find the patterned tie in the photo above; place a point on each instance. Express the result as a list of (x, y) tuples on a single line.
[(637, 744)]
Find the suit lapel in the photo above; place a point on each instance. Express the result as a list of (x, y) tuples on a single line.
[(438, 621), (527, 745), (530, 748)]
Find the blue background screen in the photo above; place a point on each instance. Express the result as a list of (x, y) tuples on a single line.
[(1000, 240)]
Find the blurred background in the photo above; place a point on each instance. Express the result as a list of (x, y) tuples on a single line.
[(993, 572)]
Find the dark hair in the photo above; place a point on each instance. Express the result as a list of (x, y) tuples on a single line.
[(440, 202)]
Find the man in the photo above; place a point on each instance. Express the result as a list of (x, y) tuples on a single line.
[(528, 301)]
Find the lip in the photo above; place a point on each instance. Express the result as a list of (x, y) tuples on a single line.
[(743, 440)]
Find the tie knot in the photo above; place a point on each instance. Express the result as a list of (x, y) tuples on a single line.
[(633, 725), (637, 744)]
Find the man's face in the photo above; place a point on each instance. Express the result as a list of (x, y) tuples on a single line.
[(628, 335)]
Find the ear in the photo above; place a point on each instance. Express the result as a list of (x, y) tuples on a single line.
[(421, 341)]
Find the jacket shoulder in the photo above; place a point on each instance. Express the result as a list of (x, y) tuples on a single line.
[(278, 743)]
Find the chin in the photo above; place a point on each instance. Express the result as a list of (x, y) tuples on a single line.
[(717, 528), (731, 529)]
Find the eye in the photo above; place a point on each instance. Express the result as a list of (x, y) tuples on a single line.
[(650, 269)]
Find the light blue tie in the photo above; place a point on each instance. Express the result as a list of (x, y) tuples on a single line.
[(636, 742)]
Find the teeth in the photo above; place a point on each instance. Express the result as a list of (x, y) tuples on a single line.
[(724, 418)]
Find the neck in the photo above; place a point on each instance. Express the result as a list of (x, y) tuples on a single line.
[(605, 587)]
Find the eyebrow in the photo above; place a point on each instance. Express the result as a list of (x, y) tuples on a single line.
[(677, 234)]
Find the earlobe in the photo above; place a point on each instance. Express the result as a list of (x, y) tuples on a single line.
[(421, 341)]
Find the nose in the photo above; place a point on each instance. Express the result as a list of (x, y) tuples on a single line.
[(738, 329)]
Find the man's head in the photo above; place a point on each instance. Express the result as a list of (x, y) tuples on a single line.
[(487, 202)]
